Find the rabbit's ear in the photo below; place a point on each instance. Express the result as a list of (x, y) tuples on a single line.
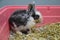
[(31, 9)]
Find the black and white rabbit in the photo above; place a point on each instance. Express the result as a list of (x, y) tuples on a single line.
[(23, 20)]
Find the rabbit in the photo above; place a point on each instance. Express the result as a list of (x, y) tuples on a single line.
[(23, 20)]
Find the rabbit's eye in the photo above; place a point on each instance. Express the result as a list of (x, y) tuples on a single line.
[(36, 16)]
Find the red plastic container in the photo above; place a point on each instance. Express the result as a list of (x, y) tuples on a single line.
[(50, 14)]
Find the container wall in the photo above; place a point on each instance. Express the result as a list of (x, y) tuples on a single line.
[(50, 14)]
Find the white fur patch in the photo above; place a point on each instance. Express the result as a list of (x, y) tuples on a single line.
[(38, 13), (30, 22), (40, 16)]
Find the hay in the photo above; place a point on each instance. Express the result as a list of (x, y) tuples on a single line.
[(47, 32)]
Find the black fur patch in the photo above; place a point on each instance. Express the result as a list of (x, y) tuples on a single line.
[(19, 17)]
